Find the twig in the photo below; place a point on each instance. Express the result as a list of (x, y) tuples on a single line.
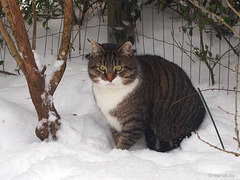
[(227, 111), (236, 111), (230, 152), (210, 89), (181, 48), (7, 73), (204, 55), (225, 54), (230, 5), (71, 45)]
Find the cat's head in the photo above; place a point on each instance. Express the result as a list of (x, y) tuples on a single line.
[(112, 64)]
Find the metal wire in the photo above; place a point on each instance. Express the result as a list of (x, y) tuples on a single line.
[(214, 124)]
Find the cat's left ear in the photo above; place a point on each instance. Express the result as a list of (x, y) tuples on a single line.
[(96, 48), (126, 48)]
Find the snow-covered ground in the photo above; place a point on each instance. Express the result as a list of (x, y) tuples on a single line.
[(85, 148)]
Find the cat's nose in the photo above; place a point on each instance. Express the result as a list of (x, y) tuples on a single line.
[(110, 77)]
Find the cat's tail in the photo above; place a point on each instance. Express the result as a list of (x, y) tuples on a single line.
[(154, 143)]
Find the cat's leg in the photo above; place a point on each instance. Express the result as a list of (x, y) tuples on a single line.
[(115, 135), (130, 134)]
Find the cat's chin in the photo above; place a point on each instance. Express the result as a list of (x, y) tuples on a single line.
[(117, 82), (108, 84)]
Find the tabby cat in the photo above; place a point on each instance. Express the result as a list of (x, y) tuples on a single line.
[(143, 96)]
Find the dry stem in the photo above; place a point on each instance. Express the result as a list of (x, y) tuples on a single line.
[(210, 89), (80, 29), (230, 152), (7, 73), (236, 111), (227, 111), (11, 45)]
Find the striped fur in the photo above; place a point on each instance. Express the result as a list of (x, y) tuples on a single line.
[(148, 108)]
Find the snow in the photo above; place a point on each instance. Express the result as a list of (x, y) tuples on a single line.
[(85, 148)]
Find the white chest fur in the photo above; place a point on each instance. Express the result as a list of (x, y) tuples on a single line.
[(109, 95)]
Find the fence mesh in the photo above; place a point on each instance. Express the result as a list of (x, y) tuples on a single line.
[(157, 33)]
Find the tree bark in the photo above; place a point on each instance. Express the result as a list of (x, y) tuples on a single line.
[(41, 93)]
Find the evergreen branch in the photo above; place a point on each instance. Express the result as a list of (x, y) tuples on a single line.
[(218, 17)]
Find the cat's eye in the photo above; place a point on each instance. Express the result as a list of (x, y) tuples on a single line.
[(102, 68), (118, 68)]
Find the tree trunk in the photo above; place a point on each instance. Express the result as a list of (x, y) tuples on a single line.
[(41, 93), (120, 29)]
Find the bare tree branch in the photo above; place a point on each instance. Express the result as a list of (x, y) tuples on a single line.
[(226, 111), (11, 45), (64, 48), (21, 35), (7, 73), (230, 5), (236, 111), (231, 152)]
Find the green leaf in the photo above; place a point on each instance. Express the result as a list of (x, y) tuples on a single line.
[(205, 53), (195, 15), (162, 5), (227, 20), (184, 29), (210, 53), (217, 56), (219, 36), (1, 63), (29, 21), (224, 10), (202, 26), (191, 31), (213, 8), (197, 54)]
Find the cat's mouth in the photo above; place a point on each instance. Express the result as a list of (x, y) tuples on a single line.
[(116, 82), (111, 84)]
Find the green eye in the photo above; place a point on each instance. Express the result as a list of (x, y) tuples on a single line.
[(102, 68), (118, 68)]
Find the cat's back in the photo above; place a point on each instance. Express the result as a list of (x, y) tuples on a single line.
[(174, 101), (158, 64), (163, 72)]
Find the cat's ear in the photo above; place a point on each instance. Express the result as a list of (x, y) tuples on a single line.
[(96, 48), (126, 48)]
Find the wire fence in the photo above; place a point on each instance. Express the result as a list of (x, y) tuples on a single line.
[(158, 33)]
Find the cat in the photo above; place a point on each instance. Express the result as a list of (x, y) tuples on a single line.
[(143, 96)]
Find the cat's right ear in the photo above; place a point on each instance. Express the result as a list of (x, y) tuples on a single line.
[(96, 48), (126, 48)]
